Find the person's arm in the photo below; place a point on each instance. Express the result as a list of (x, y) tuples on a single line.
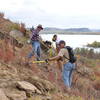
[(54, 58), (58, 62), (60, 55), (32, 34)]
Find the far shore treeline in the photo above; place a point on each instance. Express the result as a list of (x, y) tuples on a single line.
[(71, 31), (95, 44)]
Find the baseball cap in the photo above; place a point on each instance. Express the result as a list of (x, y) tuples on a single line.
[(40, 26)]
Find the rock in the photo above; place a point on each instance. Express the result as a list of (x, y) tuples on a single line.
[(15, 94), (40, 97), (8, 73), (43, 85), (12, 40), (4, 83), (28, 87), (2, 95), (16, 33)]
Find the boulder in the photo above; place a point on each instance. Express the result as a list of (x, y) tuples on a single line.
[(2, 95), (43, 85), (15, 94), (16, 33), (28, 87)]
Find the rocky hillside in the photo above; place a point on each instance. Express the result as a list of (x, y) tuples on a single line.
[(19, 81), (5, 24), (43, 82)]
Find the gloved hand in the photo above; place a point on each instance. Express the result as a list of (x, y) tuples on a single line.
[(47, 60)]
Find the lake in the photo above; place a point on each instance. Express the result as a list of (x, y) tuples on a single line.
[(74, 40)]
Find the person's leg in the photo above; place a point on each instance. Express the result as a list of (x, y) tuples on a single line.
[(71, 67), (32, 52), (66, 77), (67, 74), (70, 77), (37, 49)]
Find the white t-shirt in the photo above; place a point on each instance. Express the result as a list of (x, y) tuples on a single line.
[(58, 40)]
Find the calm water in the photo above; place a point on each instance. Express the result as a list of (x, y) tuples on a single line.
[(75, 40)]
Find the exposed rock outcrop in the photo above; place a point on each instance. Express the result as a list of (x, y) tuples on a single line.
[(2, 95), (14, 94), (10, 40), (28, 87)]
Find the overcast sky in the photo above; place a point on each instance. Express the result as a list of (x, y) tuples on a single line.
[(53, 13)]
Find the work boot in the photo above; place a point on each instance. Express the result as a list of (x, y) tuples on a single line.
[(38, 59)]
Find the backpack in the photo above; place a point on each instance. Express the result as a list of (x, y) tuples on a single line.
[(72, 57)]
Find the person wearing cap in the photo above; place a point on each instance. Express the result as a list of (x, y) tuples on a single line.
[(36, 49), (67, 68)]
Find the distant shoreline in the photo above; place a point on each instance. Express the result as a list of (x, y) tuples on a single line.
[(70, 33)]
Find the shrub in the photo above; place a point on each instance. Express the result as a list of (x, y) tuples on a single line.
[(22, 28), (95, 44), (89, 53), (14, 26)]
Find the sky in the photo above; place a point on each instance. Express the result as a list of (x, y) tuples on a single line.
[(53, 13)]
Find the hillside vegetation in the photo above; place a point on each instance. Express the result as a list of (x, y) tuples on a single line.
[(95, 44)]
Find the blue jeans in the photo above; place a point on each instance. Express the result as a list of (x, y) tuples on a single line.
[(36, 49), (67, 73)]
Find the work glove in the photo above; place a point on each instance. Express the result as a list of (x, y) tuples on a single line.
[(47, 61)]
